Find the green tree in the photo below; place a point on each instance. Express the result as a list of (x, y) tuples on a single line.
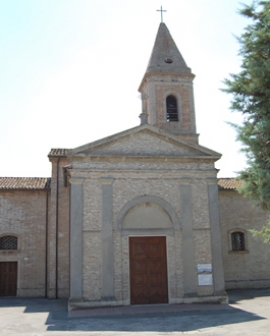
[(250, 90)]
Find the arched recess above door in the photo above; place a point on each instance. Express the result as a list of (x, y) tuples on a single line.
[(147, 212)]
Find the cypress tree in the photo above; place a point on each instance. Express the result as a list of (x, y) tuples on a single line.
[(250, 90)]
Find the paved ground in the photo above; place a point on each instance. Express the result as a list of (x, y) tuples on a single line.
[(247, 314)]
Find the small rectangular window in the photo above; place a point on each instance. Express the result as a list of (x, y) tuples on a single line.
[(238, 241), (8, 243)]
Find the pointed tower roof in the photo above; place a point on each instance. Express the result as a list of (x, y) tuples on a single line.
[(165, 55)]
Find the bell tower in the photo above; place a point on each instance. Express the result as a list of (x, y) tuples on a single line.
[(167, 89)]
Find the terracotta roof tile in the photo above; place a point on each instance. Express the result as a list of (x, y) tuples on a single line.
[(58, 152), (229, 183), (25, 183), (41, 183)]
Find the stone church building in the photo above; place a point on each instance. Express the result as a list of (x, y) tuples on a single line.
[(138, 217)]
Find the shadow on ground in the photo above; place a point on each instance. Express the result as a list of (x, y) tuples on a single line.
[(236, 295), (184, 321), (164, 322)]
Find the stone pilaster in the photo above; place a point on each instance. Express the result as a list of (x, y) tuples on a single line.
[(190, 279), (76, 239), (216, 243), (51, 253), (107, 240)]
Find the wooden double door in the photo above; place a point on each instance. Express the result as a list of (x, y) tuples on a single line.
[(148, 270), (8, 278)]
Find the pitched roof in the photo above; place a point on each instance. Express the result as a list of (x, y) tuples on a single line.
[(165, 56), (229, 183), (25, 183), (44, 183), (58, 152)]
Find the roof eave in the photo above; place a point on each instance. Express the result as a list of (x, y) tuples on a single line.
[(172, 74)]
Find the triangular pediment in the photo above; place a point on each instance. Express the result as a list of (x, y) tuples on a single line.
[(144, 140)]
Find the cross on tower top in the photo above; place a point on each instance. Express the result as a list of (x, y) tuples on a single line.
[(161, 12)]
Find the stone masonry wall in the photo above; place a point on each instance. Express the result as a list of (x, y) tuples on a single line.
[(63, 232), (249, 268), (183, 97), (23, 213), (126, 186), (157, 89), (201, 233)]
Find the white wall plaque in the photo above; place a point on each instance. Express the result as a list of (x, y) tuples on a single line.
[(204, 268), (205, 279)]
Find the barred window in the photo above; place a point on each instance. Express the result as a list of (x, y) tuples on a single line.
[(8, 243), (238, 241)]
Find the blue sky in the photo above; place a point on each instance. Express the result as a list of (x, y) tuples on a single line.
[(70, 70)]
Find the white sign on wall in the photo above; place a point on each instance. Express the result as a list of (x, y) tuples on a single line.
[(205, 277)]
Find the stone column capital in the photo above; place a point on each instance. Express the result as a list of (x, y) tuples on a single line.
[(185, 180), (106, 180), (212, 180), (76, 180)]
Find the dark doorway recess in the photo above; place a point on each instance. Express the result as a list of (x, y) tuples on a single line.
[(148, 270), (8, 278)]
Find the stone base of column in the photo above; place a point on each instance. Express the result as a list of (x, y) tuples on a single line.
[(84, 304), (74, 304), (108, 298), (220, 293), (51, 293), (222, 299), (188, 295)]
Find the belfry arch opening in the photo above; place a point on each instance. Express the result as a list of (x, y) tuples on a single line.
[(171, 108)]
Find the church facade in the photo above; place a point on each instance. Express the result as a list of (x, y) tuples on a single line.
[(138, 217)]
